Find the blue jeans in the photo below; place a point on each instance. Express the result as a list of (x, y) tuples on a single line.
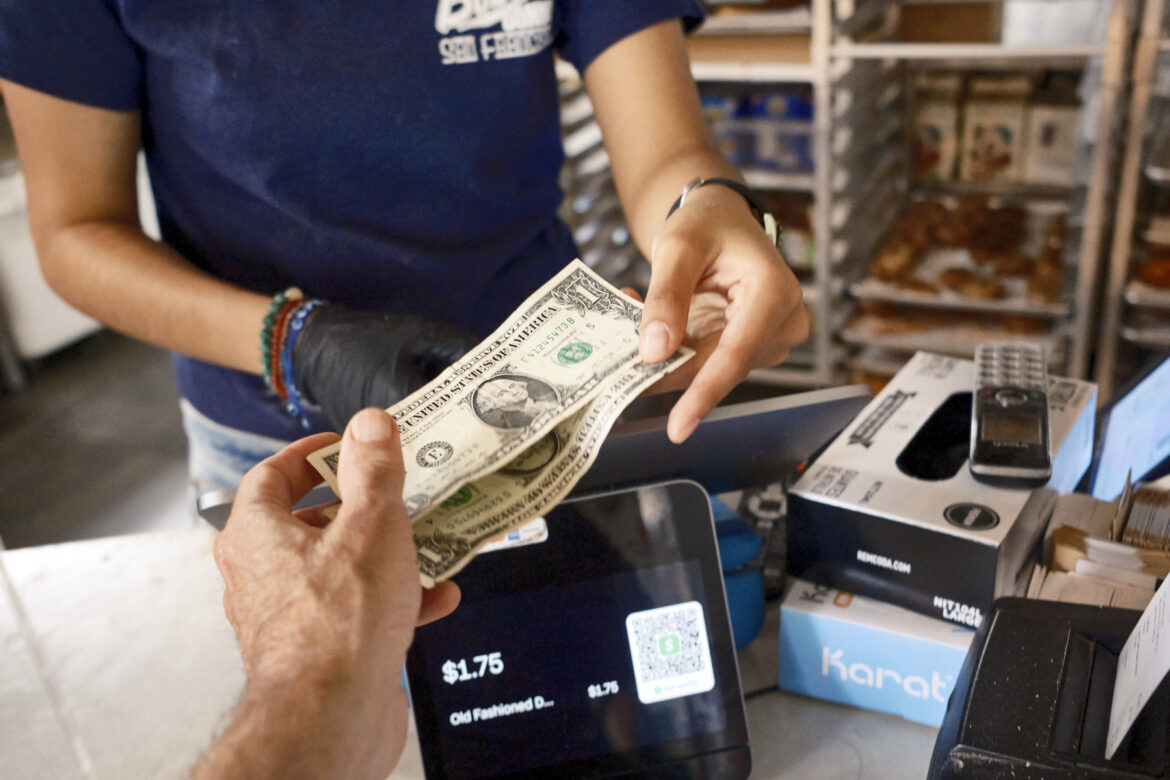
[(218, 456)]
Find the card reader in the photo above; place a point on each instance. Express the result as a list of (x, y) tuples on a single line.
[(603, 651)]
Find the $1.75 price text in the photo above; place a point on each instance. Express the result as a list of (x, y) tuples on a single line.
[(481, 666)]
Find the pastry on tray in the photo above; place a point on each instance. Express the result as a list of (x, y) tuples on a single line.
[(1155, 272), (896, 260)]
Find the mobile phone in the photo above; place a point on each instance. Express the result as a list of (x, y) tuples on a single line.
[(1010, 443)]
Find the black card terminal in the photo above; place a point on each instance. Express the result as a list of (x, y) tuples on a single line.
[(603, 651)]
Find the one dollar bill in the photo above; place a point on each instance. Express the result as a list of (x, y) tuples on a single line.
[(549, 359), (448, 536)]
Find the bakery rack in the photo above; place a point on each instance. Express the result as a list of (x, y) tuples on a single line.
[(860, 77), (782, 50), (866, 36), (1135, 322), (765, 49)]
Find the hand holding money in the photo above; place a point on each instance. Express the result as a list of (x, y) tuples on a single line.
[(324, 614), (346, 360), (558, 372), (718, 284)]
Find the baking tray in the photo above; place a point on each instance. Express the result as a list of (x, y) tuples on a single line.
[(1017, 303), (1138, 293), (1149, 338), (939, 259), (875, 360), (1156, 235), (959, 339)]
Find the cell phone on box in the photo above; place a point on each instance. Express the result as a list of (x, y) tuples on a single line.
[(1010, 443)]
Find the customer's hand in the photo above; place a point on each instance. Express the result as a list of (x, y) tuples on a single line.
[(324, 612), (718, 285), (346, 360)]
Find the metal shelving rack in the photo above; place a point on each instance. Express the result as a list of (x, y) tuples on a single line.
[(1123, 342), (846, 52), (817, 363), (798, 58), (592, 210), (861, 36)]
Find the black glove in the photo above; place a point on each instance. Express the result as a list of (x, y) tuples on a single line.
[(346, 360)]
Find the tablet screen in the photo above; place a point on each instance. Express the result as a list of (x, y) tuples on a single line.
[(605, 648), (1135, 436)]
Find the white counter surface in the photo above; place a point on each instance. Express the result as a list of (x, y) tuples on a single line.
[(118, 663)]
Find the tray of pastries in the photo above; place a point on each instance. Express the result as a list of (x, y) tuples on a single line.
[(974, 254), (1150, 285), (1148, 328), (908, 329)]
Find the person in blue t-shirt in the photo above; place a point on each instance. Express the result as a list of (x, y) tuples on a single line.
[(364, 191)]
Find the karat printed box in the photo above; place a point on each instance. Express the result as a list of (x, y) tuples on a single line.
[(858, 651), (890, 510)]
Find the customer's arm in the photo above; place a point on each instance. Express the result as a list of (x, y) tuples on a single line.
[(716, 279), (324, 613)]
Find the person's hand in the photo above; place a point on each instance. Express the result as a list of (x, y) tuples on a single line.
[(718, 285), (325, 610), (346, 360)]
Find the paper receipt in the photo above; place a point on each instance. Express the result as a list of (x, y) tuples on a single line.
[(1141, 667)]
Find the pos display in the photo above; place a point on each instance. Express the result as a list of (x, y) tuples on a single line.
[(604, 650), (1133, 433)]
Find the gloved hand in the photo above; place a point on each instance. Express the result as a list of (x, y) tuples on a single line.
[(346, 360)]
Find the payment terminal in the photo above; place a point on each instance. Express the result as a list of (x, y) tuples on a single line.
[(603, 650)]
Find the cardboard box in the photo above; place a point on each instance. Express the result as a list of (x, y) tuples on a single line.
[(936, 139), (858, 651), (950, 22), (994, 128), (936, 124), (890, 510), (993, 141), (749, 49), (1053, 148)]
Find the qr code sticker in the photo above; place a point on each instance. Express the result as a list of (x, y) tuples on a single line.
[(670, 652)]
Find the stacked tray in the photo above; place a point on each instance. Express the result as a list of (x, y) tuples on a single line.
[(957, 271)]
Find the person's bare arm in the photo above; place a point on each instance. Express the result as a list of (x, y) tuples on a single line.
[(324, 612), (648, 108), (715, 278), (79, 168)]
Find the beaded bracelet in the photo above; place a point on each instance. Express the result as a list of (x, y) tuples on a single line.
[(294, 403), (279, 335), (278, 306)]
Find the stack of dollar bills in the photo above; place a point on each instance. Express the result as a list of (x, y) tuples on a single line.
[(504, 434)]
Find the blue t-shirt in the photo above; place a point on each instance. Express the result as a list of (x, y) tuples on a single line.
[(389, 156)]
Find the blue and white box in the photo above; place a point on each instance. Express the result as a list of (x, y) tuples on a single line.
[(866, 653)]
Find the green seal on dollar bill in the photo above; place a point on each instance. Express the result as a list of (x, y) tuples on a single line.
[(574, 353), (461, 497)]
